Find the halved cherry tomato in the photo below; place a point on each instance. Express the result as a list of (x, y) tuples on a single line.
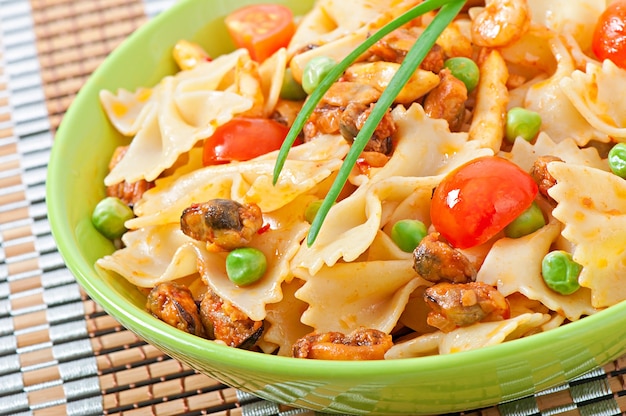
[(609, 37), (243, 139), (261, 28), (477, 200)]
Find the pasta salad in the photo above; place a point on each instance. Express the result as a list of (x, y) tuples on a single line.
[(488, 205)]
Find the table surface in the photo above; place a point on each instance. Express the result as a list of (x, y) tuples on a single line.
[(60, 353)]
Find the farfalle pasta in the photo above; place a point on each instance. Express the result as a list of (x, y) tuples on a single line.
[(592, 92), (354, 287), (550, 99), (592, 212)]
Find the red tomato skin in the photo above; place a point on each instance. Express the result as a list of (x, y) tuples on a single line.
[(261, 28), (477, 200), (242, 139), (609, 37)]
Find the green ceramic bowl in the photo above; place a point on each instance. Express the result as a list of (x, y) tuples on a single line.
[(440, 384)]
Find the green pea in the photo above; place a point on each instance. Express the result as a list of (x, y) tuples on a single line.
[(523, 123), (311, 210), (526, 223), (407, 234), (560, 272), (617, 160), (315, 71), (291, 89), (465, 70), (245, 265), (109, 217)]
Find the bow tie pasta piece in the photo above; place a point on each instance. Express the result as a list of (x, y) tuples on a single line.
[(520, 304), (244, 182), (347, 296), (576, 18), (272, 74), (592, 206), (172, 128), (514, 265), (182, 110), (216, 75), (419, 346), (353, 223), (468, 338), (524, 154), (438, 150), (384, 248), (490, 333), (593, 93), (560, 118), (531, 55), (127, 110), (330, 20), (324, 147), (145, 263), (285, 327)]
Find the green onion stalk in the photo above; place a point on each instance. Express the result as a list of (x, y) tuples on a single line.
[(448, 10)]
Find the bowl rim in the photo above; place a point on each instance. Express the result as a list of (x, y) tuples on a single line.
[(98, 290)]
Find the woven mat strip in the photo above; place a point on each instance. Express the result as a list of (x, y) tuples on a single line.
[(42, 315), (73, 37), (60, 353)]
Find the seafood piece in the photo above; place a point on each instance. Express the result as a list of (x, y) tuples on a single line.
[(174, 304), (395, 46), (462, 304), (325, 117), (223, 222), (447, 100), (436, 260), (352, 120), (348, 121), (224, 322), (361, 344), (127, 192), (323, 120), (434, 59), (542, 177), (340, 94), (378, 74), (500, 23)]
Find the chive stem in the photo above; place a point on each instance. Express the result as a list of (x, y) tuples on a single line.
[(339, 69), (413, 59)]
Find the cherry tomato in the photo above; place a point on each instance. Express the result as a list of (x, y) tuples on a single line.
[(261, 28), (609, 37), (243, 139), (477, 200)]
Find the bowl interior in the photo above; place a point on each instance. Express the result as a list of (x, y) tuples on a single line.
[(79, 159)]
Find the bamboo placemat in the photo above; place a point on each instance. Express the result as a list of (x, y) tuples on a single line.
[(59, 352)]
